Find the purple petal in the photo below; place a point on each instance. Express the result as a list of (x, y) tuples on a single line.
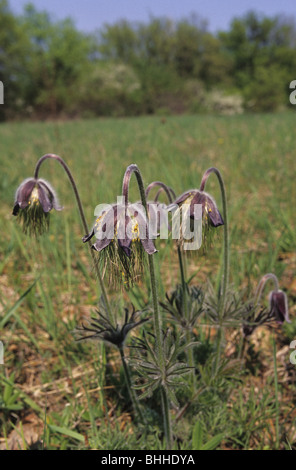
[(124, 232), (100, 244), (185, 196), (16, 209), (215, 218), (50, 194), (148, 246), (279, 306), (208, 205), (86, 238), (104, 226), (147, 243), (44, 199), (103, 229), (199, 198), (24, 192)]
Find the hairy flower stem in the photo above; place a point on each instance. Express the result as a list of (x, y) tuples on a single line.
[(184, 285), (261, 286), (171, 196), (219, 343), (157, 319), (166, 418), (225, 278), (277, 407), (131, 391), (258, 295), (226, 234), (190, 357), (163, 188), (84, 223)]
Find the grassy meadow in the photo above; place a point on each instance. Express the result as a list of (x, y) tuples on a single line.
[(56, 393)]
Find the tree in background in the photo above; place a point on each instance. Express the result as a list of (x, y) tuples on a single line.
[(51, 69), (263, 57), (13, 48), (57, 60)]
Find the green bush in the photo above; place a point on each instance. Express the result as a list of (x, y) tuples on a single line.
[(266, 92)]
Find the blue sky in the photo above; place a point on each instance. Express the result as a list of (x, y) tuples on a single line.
[(91, 14)]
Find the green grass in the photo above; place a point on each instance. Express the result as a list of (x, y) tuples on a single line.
[(74, 394)]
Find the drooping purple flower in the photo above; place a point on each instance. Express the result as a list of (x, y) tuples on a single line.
[(257, 314), (199, 214), (278, 303), (34, 199), (210, 212), (122, 238)]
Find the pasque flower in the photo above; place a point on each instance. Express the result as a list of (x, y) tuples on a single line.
[(277, 309), (34, 199), (210, 213), (188, 203), (278, 304), (122, 239)]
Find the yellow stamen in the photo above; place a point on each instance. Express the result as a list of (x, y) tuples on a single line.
[(34, 198)]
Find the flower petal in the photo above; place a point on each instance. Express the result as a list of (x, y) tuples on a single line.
[(124, 226), (103, 228), (216, 218), (148, 246), (279, 306), (24, 192), (209, 206), (199, 198), (147, 242), (86, 238), (100, 244), (44, 199), (185, 196), (51, 193), (16, 209)]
